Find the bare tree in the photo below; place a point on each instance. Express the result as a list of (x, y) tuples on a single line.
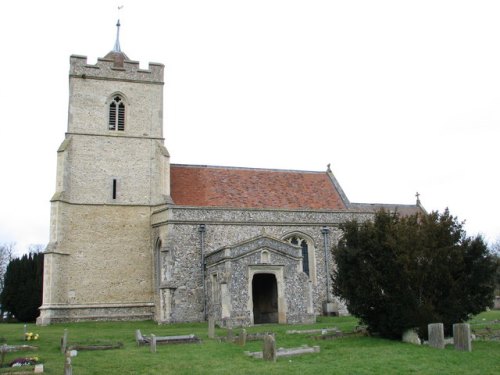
[(36, 248), (495, 250), (6, 254)]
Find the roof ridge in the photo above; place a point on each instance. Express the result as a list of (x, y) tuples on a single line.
[(204, 166)]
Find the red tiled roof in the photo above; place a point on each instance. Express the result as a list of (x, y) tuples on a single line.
[(205, 186)]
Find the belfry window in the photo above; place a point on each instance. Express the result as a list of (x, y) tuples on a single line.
[(117, 114)]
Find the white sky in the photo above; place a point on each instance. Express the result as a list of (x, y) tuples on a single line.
[(399, 96)]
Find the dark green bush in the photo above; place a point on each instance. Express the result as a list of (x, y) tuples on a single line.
[(397, 273)]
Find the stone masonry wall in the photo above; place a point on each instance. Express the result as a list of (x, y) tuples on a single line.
[(228, 227), (93, 163)]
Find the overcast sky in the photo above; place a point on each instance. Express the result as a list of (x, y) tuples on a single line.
[(399, 96)]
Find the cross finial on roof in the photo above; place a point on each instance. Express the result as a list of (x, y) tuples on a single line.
[(418, 197), (328, 169)]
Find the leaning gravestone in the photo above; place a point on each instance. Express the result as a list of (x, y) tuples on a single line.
[(462, 337), (269, 350), (436, 335), (64, 341)]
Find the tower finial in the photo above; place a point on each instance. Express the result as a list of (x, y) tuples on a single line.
[(117, 48)]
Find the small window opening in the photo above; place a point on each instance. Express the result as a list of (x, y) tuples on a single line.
[(114, 188), (117, 114), (305, 257)]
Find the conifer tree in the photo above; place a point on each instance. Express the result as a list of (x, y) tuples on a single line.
[(397, 273), (22, 293)]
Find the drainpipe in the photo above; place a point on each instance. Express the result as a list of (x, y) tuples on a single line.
[(325, 232), (201, 230)]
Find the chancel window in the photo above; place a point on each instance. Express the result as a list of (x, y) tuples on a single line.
[(117, 114)]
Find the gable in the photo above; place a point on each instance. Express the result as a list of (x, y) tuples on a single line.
[(205, 186), (248, 247)]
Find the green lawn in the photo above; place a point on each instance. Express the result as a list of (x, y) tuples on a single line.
[(350, 355)]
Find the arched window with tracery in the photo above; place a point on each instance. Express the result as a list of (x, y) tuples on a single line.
[(296, 240), (308, 252), (117, 114)]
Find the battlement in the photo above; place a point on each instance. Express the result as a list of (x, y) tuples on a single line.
[(106, 69)]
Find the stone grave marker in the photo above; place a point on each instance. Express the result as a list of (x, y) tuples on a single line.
[(462, 337), (153, 344), (64, 341), (242, 337), (68, 368), (436, 335), (411, 336), (38, 368), (211, 327), (269, 349), (230, 335)]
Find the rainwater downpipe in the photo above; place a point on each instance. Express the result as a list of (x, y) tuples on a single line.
[(325, 232), (201, 230)]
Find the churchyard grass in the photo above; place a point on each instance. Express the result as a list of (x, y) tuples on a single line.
[(348, 355)]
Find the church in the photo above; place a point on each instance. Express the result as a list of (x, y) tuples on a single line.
[(134, 237)]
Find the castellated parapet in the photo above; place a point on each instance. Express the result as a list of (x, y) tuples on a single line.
[(106, 69)]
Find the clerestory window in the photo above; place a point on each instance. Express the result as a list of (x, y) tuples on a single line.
[(117, 114)]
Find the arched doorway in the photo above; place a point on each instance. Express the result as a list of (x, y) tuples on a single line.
[(265, 298)]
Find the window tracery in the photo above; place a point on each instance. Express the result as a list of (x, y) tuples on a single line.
[(116, 114)]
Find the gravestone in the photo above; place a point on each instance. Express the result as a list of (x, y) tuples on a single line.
[(230, 335), (138, 337), (153, 344), (462, 337), (269, 349), (242, 337), (38, 368), (64, 341), (68, 368), (211, 327), (436, 335), (411, 336)]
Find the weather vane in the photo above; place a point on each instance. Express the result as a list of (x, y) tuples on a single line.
[(117, 42)]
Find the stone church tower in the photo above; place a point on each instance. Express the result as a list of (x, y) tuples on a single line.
[(112, 171)]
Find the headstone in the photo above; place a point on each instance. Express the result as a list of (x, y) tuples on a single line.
[(68, 370), (211, 327), (242, 338), (269, 350), (230, 335), (64, 341), (411, 336), (138, 337), (436, 335), (153, 344), (38, 368), (462, 337)]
